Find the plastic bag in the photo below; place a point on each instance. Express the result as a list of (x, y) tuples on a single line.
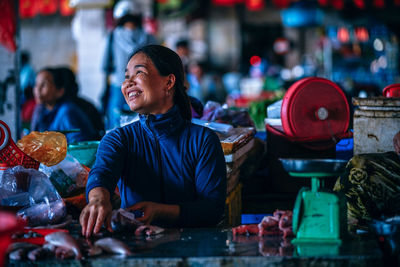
[(274, 110), (49, 148), (32, 190), (20, 180), (44, 213), (213, 111), (68, 177)]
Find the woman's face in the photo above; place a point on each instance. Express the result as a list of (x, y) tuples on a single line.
[(45, 90), (144, 89)]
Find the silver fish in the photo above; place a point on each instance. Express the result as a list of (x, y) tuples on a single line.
[(39, 254), (124, 221), (149, 230), (19, 245), (113, 245), (64, 253), (62, 239)]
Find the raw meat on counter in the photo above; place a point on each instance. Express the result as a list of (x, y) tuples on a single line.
[(280, 223)]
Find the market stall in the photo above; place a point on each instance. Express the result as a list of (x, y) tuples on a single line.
[(218, 247)]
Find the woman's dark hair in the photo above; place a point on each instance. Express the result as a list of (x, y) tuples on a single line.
[(69, 82), (63, 77), (57, 79), (168, 62)]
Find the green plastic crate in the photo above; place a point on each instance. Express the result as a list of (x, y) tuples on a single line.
[(84, 152)]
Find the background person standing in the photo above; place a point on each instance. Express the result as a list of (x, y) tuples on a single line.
[(127, 37)]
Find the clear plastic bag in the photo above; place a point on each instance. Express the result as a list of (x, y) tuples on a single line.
[(44, 213), (68, 176), (32, 190), (274, 110)]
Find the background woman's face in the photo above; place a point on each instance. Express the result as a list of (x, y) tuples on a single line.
[(144, 89), (45, 91)]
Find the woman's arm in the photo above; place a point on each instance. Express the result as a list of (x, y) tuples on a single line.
[(97, 212), (101, 184), (210, 179), (157, 212)]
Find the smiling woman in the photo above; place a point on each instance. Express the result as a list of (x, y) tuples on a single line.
[(167, 168), (144, 89)]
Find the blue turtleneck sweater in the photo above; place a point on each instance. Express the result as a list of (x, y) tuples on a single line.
[(164, 159)]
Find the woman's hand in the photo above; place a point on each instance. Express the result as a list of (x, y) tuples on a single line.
[(156, 212), (97, 212), (396, 142)]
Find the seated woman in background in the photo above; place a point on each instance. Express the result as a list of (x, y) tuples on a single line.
[(55, 111), (371, 183), (71, 91)]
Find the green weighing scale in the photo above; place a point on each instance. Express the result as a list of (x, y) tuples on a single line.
[(319, 214)]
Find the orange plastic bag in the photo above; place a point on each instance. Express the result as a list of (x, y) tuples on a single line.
[(49, 148)]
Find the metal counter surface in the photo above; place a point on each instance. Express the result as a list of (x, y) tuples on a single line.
[(218, 247)]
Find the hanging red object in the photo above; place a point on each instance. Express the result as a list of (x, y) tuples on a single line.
[(65, 8), (220, 2), (379, 3), (7, 25), (281, 3), (337, 4), (48, 7), (28, 8), (359, 4), (343, 35), (323, 2), (255, 5), (361, 34)]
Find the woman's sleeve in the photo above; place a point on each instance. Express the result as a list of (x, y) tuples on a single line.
[(210, 177), (109, 163)]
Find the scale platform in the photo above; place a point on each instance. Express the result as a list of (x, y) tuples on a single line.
[(319, 214)]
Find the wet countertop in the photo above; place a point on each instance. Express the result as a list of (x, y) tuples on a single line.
[(218, 247)]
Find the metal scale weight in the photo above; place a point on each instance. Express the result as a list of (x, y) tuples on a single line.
[(315, 113)]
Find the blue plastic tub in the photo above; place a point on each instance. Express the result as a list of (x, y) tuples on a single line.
[(252, 218)]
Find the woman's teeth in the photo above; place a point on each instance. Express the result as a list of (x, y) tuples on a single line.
[(134, 93)]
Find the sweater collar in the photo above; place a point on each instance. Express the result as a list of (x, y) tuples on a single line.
[(162, 124)]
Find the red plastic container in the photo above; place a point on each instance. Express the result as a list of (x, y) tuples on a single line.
[(314, 112), (10, 153), (9, 224), (392, 90)]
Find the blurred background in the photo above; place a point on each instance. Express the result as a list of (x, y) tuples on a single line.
[(251, 49)]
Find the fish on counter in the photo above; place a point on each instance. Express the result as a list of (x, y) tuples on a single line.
[(64, 253), (89, 249), (114, 246), (124, 221), (280, 223), (64, 240), (20, 250), (40, 253), (149, 230)]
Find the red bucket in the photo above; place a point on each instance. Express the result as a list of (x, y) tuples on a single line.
[(9, 224)]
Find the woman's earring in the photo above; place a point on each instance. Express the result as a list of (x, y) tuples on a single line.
[(168, 92)]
